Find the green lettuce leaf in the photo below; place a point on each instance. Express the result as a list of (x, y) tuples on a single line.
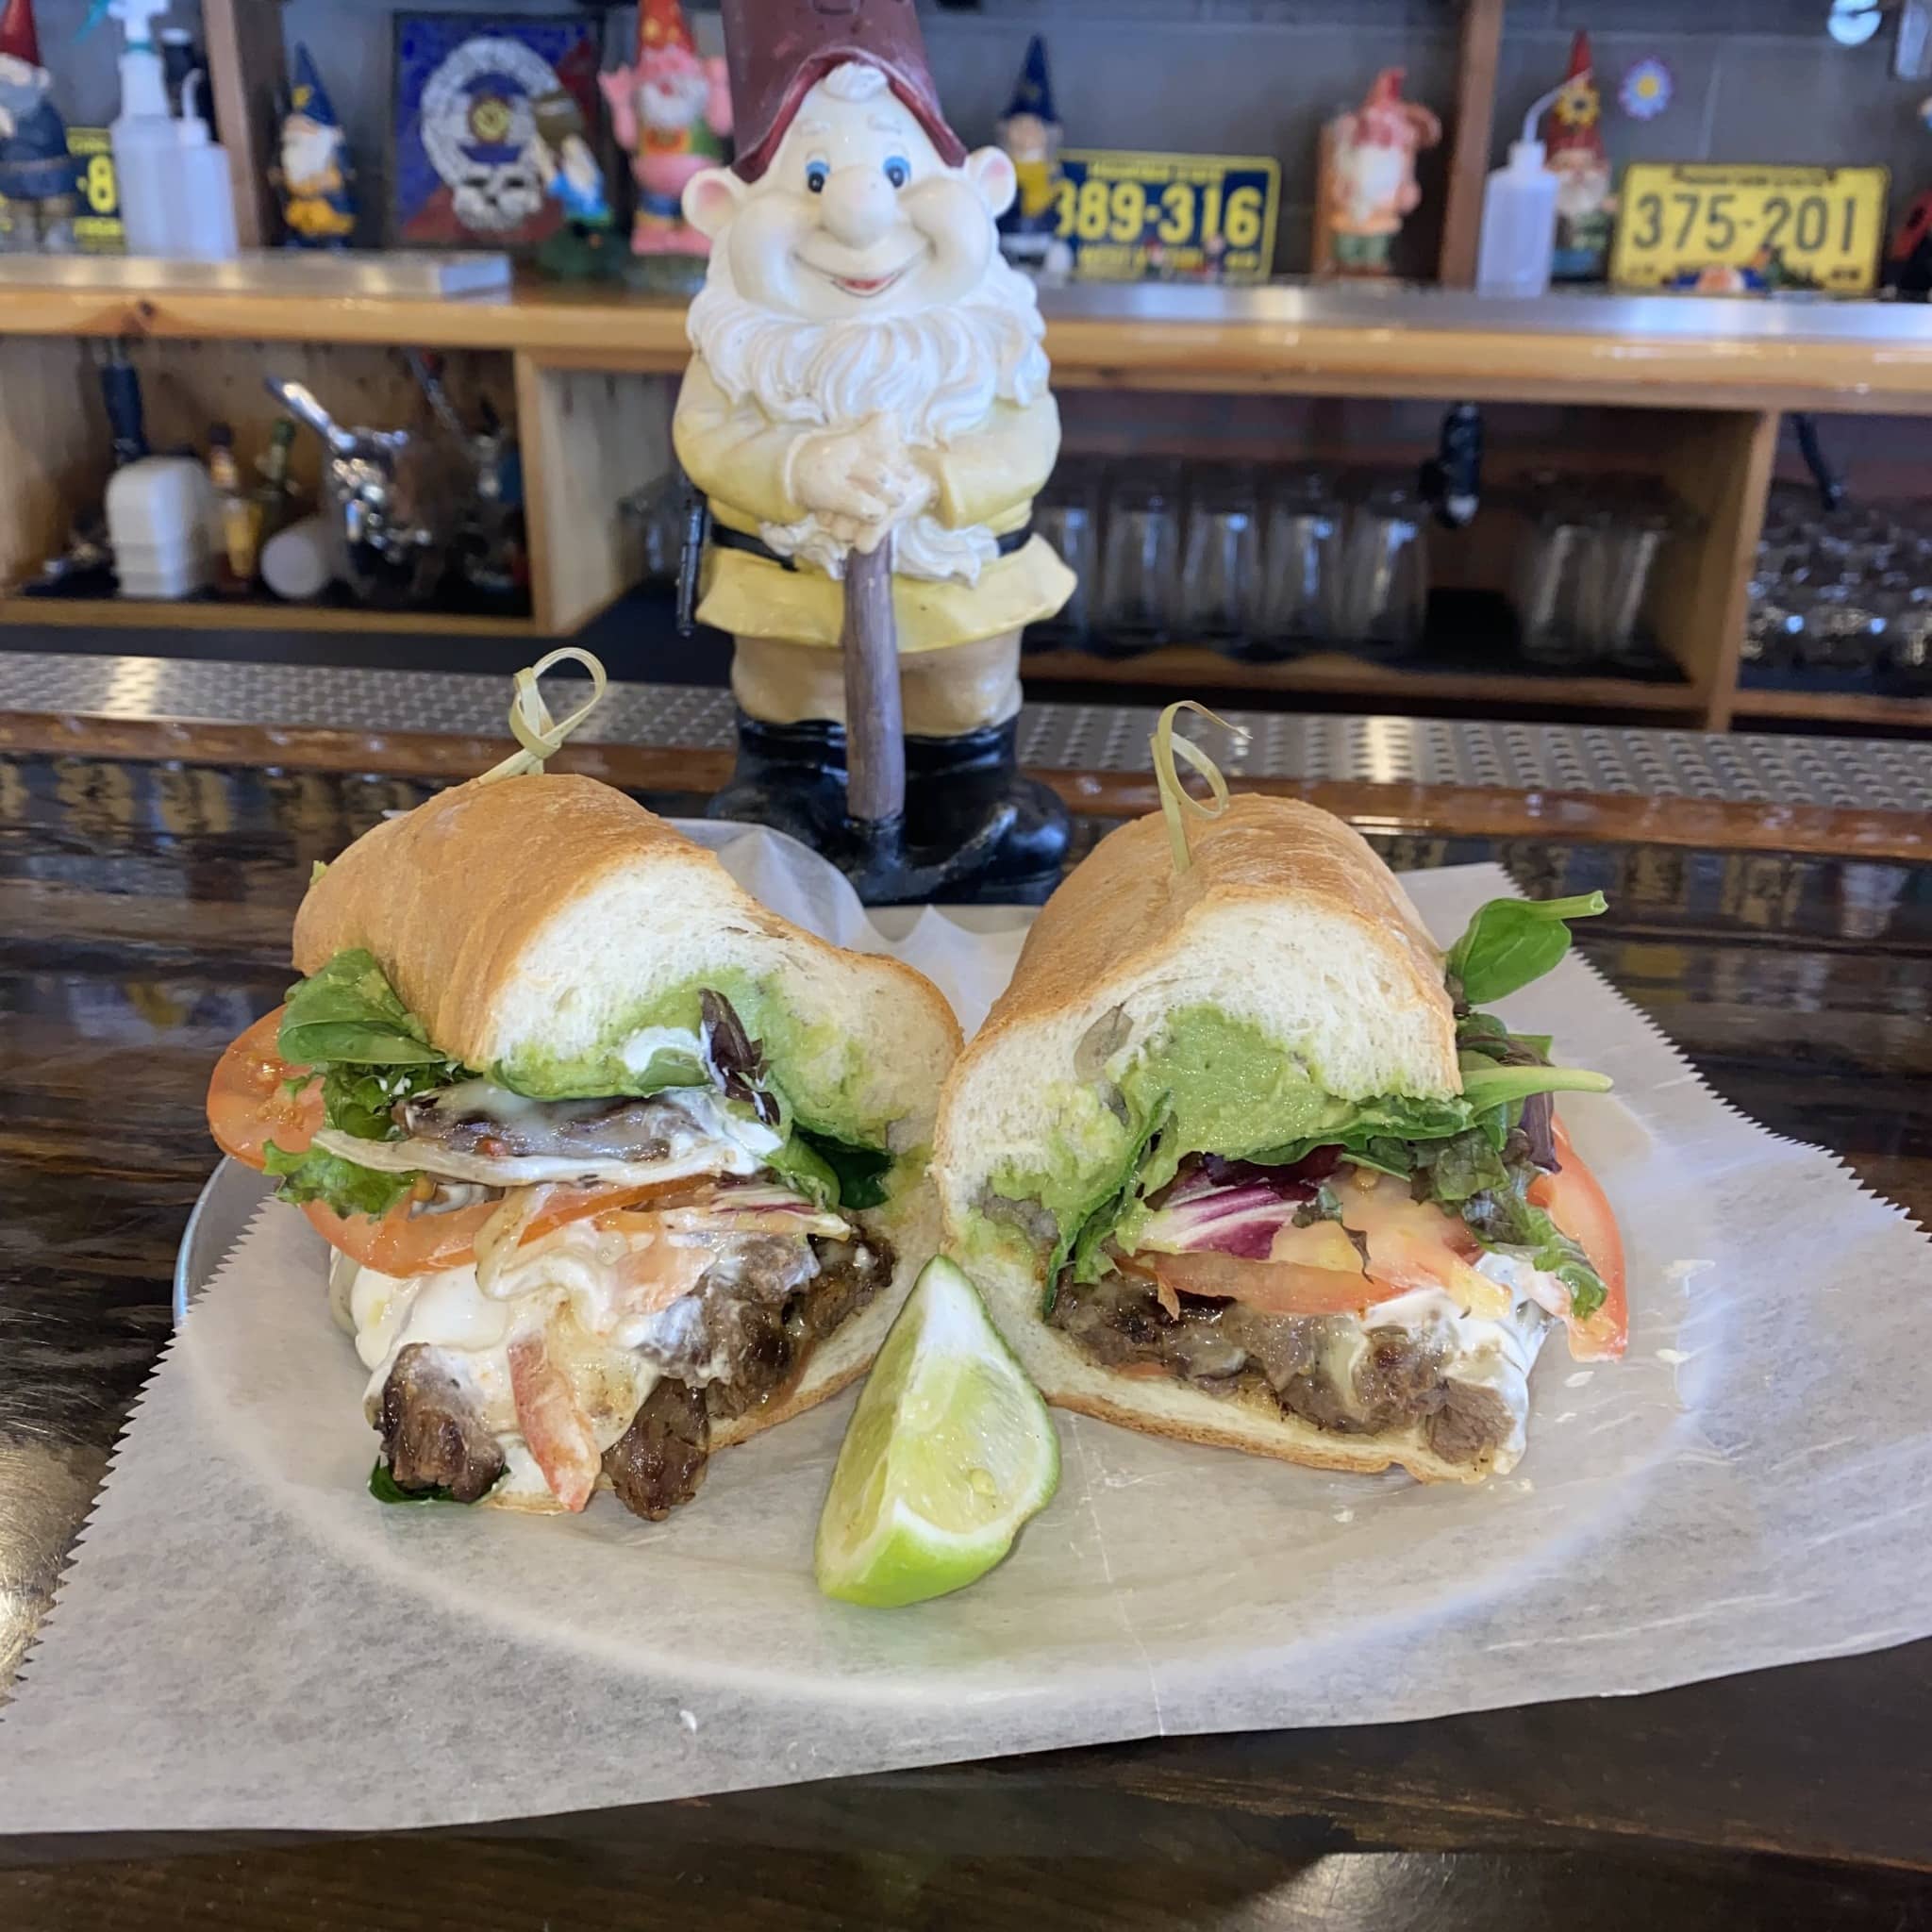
[(349, 1012), (1463, 1166), (342, 1184), (385, 1488), (1505, 1220), (1082, 1244), (1511, 941), (1486, 1085), (859, 1172), (829, 1171)]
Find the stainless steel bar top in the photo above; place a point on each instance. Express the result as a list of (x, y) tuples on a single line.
[(1735, 767)]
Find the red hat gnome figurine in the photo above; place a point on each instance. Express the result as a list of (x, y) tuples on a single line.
[(1574, 141), (39, 181), (866, 411), (1365, 183), (673, 111)]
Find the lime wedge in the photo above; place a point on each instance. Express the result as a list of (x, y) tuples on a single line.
[(948, 1452)]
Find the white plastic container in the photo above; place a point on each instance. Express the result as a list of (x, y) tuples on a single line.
[(1519, 236), (157, 521), (176, 199), (204, 220), (299, 563)]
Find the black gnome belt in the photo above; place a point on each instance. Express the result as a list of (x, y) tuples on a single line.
[(726, 538)]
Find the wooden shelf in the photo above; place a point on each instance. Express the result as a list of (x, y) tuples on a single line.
[(1189, 668), (140, 613), (1482, 360), (1832, 707)]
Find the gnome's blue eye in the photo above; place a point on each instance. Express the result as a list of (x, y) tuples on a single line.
[(816, 175), (898, 170)]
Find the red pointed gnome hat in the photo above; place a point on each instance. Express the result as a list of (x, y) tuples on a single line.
[(17, 35), (779, 50), (662, 23), (1573, 123)]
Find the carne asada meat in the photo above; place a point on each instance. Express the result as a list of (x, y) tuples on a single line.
[(1397, 1379), (769, 1338), (478, 1117), (433, 1435), (659, 1461)]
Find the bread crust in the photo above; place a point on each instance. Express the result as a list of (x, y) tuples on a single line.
[(449, 896), (1124, 929), (1124, 913)]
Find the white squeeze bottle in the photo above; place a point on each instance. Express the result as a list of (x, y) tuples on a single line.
[(142, 136), (1519, 237), (203, 224), (176, 193)]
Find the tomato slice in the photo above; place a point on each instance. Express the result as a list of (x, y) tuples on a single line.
[(1580, 1207), (405, 1244), (1274, 1287), (248, 1101)]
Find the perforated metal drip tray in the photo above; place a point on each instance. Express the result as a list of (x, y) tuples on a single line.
[(1877, 774)]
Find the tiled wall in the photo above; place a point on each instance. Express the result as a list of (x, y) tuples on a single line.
[(1755, 80)]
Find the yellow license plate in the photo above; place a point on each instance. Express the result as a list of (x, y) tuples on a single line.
[(1749, 230), (1127, 217)]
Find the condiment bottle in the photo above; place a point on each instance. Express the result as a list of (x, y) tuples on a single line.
[(239, 519), (1519, 237)]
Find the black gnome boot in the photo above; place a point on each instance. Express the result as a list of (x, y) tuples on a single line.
[(974, 830)]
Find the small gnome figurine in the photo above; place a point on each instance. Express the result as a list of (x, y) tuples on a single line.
[(1030, 133), (574, 178), (313, 173), (1366, 181), (40, 180), (673, 111), (866, 411), (1573, 141)]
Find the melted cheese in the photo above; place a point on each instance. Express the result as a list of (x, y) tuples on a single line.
[(711, 1139), (1495, 1353)]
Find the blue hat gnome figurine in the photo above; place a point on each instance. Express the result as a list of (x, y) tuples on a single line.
[(1030, 133), (584, 246), (312, 172), (40, 180)]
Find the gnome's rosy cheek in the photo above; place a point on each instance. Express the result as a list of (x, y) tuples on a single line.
[(764, 243), (947, 210)]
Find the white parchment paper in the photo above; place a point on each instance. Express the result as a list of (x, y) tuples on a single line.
[(247, 1640)]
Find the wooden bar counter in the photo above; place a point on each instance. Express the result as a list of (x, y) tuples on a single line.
[(145, 909)]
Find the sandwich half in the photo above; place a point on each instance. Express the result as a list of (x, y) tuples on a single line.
[(618, 1167), (1237, 1160)]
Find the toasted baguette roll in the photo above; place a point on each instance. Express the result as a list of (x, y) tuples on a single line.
[(1286, 921), (529, 921)]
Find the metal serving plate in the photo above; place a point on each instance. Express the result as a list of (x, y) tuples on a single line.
[(220, 1217)]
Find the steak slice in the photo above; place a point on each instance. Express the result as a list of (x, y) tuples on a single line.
[(433, 1436), (1472, 1424), (659, 1461)]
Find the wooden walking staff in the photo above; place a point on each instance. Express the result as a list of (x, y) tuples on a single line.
[(874, 727)]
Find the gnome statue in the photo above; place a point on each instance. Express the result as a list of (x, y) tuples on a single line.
[(1573, 141), (1365, 181), (673, 111), (40, 180), (1030, 133), (866, 411), (582, 248), (312, 172)]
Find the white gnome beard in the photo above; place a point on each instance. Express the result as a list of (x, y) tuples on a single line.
[(936, 371)]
